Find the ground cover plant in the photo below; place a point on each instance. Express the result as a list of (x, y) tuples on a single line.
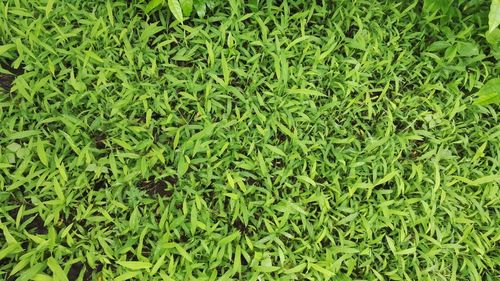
[(265, 140)]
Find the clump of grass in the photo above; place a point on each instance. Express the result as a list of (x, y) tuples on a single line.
[(323, 140)]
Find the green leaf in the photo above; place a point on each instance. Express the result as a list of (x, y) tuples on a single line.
[(226, 240), (149, 31), (187, 7), (262, 164), (438, 46), (183, 252), (467, 49), (387, 178), (391, 245), (306, 92), (225, 69), (182, 166), (237, 259), (19, 266), (327, 273), (111, 16), (494, 15), (58, 190), (267, 268), (489, 98), (479, 181), (437, 5), (31, 272), (135, 265), (346, 250), (160, 262), (5, 48), (406, 251), (23, 134), (57, 271), (200, 7), (493, 37), (122, 143), (175, 8), (9, 249), (275, 149), (153, 4), (48, 7), (127, 276), (296, 269), (489, 93), (306, 179)]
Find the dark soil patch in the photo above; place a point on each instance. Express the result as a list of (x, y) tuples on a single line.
[(74, 271), (37, 225), (101, 183), (100, 140), (278, 163), (352, 31), (238, 224), (6, 80), (281, 137), (251, 181), (160, 187)]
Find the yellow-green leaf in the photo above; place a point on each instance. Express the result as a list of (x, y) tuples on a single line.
[(494, 15), (187, 7), (56, 269), (40, 150), (306, 92), (176, 9), (135, 265), (153, 4)]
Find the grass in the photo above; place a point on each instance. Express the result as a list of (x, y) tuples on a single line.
[(302, 140)]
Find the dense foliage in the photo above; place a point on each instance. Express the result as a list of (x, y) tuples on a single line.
[(290, 140)]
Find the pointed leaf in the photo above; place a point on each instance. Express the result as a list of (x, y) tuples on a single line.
[(175, 8), (187, 7), (494, 15)]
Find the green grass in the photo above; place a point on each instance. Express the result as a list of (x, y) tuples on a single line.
[(297, 140)]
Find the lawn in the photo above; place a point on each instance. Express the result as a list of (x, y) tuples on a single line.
[(249, 140)]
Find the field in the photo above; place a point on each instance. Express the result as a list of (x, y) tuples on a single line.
[(249, 140)]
